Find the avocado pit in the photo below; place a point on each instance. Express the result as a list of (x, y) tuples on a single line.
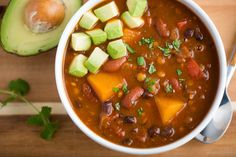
[(42, 16)]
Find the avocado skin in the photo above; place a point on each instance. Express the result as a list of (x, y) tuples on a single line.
[(28, 43)]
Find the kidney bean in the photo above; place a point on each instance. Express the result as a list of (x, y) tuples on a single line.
[(162, 28), (107, 108), (153, 131), (175, 84), (167, 132), (87, 91), (198, 34), (130, 120), (174, 34), (114, 65), (130, 99), (189, 33)]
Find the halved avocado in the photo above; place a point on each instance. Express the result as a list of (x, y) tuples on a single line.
[(17, 38)]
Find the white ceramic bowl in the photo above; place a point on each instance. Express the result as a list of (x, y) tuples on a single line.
[(61, 51)]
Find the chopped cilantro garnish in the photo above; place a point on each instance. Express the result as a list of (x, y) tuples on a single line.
[(169, 88), (147, 41), (176, 44), (150, 83), (140, 111), (141, 61), (152, 69), (115, 89), (130, 49), (125, 88), (179, 72), (166, 51), (117, 106)]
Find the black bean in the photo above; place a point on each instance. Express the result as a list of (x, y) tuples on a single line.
[(189, 33), (147, 94), (167, 132), (154, 131), (130, 119), (198, 34), (107, 108), (127, 141)]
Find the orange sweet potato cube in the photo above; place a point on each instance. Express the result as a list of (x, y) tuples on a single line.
[(169, 108), (103, 84)]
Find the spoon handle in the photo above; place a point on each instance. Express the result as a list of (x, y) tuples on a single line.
[(231, 66)]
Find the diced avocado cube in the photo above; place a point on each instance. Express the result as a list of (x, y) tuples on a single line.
[(114, 29), (98, 36), (96, 60), (131, 21), (77, 67), (136, 7), (117, 49), (107, 11), (80, 42), (88, 20)]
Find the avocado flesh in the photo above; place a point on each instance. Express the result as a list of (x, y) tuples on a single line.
[(17, 38)]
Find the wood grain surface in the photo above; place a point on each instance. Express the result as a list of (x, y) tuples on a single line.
[(19, 140)]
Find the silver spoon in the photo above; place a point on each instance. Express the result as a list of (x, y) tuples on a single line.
[(220, 122)]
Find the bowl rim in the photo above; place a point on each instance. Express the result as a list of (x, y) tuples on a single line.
[(59, 76)]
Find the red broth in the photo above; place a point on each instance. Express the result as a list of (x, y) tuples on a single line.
[(187, 75)]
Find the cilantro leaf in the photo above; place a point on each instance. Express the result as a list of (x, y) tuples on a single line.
[(176, 44), (141, 61), (166, 51), (152, 69), (19, 86), (49, 130), (125, 88), (147, 41), (140, 111), (35, 120), (169, 88), (130, 49), (179, 72), (115, 89)]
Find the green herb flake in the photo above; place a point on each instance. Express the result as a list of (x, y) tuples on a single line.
[(179, 72), (140, 112), (176, 44), (166, 51), (130, 49), (141, 61), (115, 89), (147, 41), (19, 86), (151, 69), (169, 88), (125, 89), (117, 106)]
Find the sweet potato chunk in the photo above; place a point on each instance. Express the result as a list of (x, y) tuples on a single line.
[(103, 83), (169, 108)]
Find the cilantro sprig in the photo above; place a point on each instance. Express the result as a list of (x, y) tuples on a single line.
[(16, 90), (169, 47), (147, 41)]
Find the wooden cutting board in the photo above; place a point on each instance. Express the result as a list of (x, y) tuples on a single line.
[(18, 139)]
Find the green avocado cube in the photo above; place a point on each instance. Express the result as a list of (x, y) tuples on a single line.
[(88, 20), (114, 29), (77, 67), (98, 36), (117, 49), (107, 11), (96, 60), (131, 21), (136, 7), (80, 42)]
